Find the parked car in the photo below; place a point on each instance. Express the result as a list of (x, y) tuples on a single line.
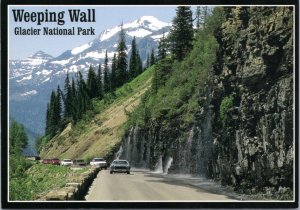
[(121, 166), (99, 162), (66, 162), (79, 162), (55, 161), (46, 161)]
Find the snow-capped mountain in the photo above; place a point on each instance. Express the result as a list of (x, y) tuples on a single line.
[(31, 80)]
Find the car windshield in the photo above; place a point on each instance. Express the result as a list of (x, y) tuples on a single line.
[(99, 159), (67, 160), (122, 162)]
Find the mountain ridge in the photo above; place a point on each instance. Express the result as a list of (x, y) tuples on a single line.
[(32, 79)]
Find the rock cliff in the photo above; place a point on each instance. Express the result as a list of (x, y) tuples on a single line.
[(242, 134)]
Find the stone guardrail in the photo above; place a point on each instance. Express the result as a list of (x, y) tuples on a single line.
[(75, 189)]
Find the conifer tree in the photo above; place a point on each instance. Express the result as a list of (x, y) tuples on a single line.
[(139, 64), (47, 128), (92, 84), (148, 61), (106, 79), (53, 115), (67, 97), (100, 88), (121, 71), (201, 16), (162, 48), (57, 110), (181, 35), (152, 58), (113, 82), (133, 65)]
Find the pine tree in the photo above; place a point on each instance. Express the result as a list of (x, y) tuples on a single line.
[(74, 100), (148, 61), (139, 64), (121, 72), (67, 97), (100, 88), (57, 110), (133, 60), (50, 115), (182, 33), (47, 128), (92, 84), (201, 16), (113, 80), (106, 79), (198, 12), (82, 100), (162, 48), (152, 58), (53, 114)]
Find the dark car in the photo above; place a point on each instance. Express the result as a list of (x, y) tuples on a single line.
[(79, 162), (46, 161), (55, 161), (120, 166)]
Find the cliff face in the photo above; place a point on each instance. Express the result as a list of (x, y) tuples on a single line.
[(255, 66), (252, 146)]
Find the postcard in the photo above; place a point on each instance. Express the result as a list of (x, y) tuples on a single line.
[(149, 106)]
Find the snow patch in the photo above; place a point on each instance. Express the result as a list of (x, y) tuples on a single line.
[(109, 33), (34, 61), (46, 72), (158, 37), (139, 33), (25, 78), (61, 62), (46, 80), (96, 54), (32, 92), (80, 49)]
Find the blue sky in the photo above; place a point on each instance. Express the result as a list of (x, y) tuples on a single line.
[(21, 47)]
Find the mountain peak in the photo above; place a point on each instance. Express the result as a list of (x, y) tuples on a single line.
[(41, 55), (143, 23)]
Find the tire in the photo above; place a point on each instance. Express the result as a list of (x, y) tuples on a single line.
[(128, 172), (111, 172)]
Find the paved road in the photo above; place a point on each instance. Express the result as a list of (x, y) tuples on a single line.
[(144, 186)]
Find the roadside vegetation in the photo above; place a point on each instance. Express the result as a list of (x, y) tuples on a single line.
[(27, 179), (180, 76)]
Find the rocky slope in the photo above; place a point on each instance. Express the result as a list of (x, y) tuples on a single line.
[(100, 132), (252, 147)]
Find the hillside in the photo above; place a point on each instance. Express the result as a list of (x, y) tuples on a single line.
[(99, 134)]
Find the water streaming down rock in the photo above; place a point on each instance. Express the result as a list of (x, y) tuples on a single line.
[(135, 149), (168, 165), (118, 154), (159, 166)]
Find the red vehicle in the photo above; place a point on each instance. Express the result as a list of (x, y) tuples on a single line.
[(55, 161), (47, 161)]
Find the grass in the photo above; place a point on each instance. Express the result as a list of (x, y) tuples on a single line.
[(39, 178)]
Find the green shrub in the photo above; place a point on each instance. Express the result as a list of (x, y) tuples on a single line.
[(226, 104)]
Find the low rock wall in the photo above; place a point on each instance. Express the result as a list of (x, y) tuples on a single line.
[(75, 189)]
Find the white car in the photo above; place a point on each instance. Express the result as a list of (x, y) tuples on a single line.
[(99, 162), (66, 162)]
